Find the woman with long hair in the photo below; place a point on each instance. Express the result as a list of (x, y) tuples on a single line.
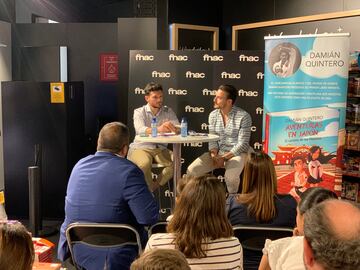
[(259, 202), (200, 228), (16, 246)]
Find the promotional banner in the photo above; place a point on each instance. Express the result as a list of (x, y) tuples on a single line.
[(190, 79), (305, 91)]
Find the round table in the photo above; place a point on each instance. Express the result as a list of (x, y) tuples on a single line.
[(176, 141)]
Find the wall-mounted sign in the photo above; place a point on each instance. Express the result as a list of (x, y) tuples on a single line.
[(109, 69), (57, 94)]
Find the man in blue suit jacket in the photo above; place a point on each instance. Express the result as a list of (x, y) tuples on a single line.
[(107, 188)]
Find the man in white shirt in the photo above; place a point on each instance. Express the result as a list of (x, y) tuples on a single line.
[(145, 154)]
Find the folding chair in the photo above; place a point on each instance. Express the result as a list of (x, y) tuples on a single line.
[(159, 227), (105, 235), (252, 239)]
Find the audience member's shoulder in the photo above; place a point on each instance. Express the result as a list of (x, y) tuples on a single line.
[(85, 159), (130, 164), (161, 237), (287, 199)]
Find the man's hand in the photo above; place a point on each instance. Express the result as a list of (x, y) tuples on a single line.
[(167, 127), (219, 161)]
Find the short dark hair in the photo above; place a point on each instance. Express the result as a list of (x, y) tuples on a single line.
[(329, 248), (113, 137), (313, 196), (230, 90), (160, 259), (151, 87)]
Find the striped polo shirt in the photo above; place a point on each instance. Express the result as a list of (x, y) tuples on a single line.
[(223, 253)]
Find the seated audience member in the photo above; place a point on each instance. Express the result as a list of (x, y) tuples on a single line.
[(200, 229), (16, 247), (332, 236), (179, 188), (232, 124), (107, 188), (287, 253), (259, 204), (161, 259)]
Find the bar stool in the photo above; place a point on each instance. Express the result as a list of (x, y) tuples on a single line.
[(156, 168)]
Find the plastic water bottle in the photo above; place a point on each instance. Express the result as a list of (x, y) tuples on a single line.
[(154, 127), (184, 127)]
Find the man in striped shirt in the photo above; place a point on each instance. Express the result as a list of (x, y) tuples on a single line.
[(232, 124)]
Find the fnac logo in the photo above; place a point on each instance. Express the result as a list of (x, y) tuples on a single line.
[(158, 74), (193, 144), (140, 57), (177, 92), (207, 92), (213, 58), (188, 108), (139, 91), (248, 58), (257, 146), (259, 110), (249, 93), (194, 75), (169, 194), (260, 76), (226, 75), (204, 126), (173, 57)]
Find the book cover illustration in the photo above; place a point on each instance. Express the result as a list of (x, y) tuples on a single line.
[(303, 145)]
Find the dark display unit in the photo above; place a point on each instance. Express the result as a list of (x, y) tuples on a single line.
[(38, 131)]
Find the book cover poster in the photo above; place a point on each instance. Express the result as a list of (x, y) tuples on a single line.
[(305, 90)]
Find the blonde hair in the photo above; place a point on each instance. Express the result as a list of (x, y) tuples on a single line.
[(161, 259), (16, 247), (259, 187), (199, 215)]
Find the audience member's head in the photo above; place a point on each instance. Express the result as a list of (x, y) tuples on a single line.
[(310, 197), (200, 214), (332, 236), (181, 184), (161, 259), (114, 138), (16, 247), (259, 186)]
